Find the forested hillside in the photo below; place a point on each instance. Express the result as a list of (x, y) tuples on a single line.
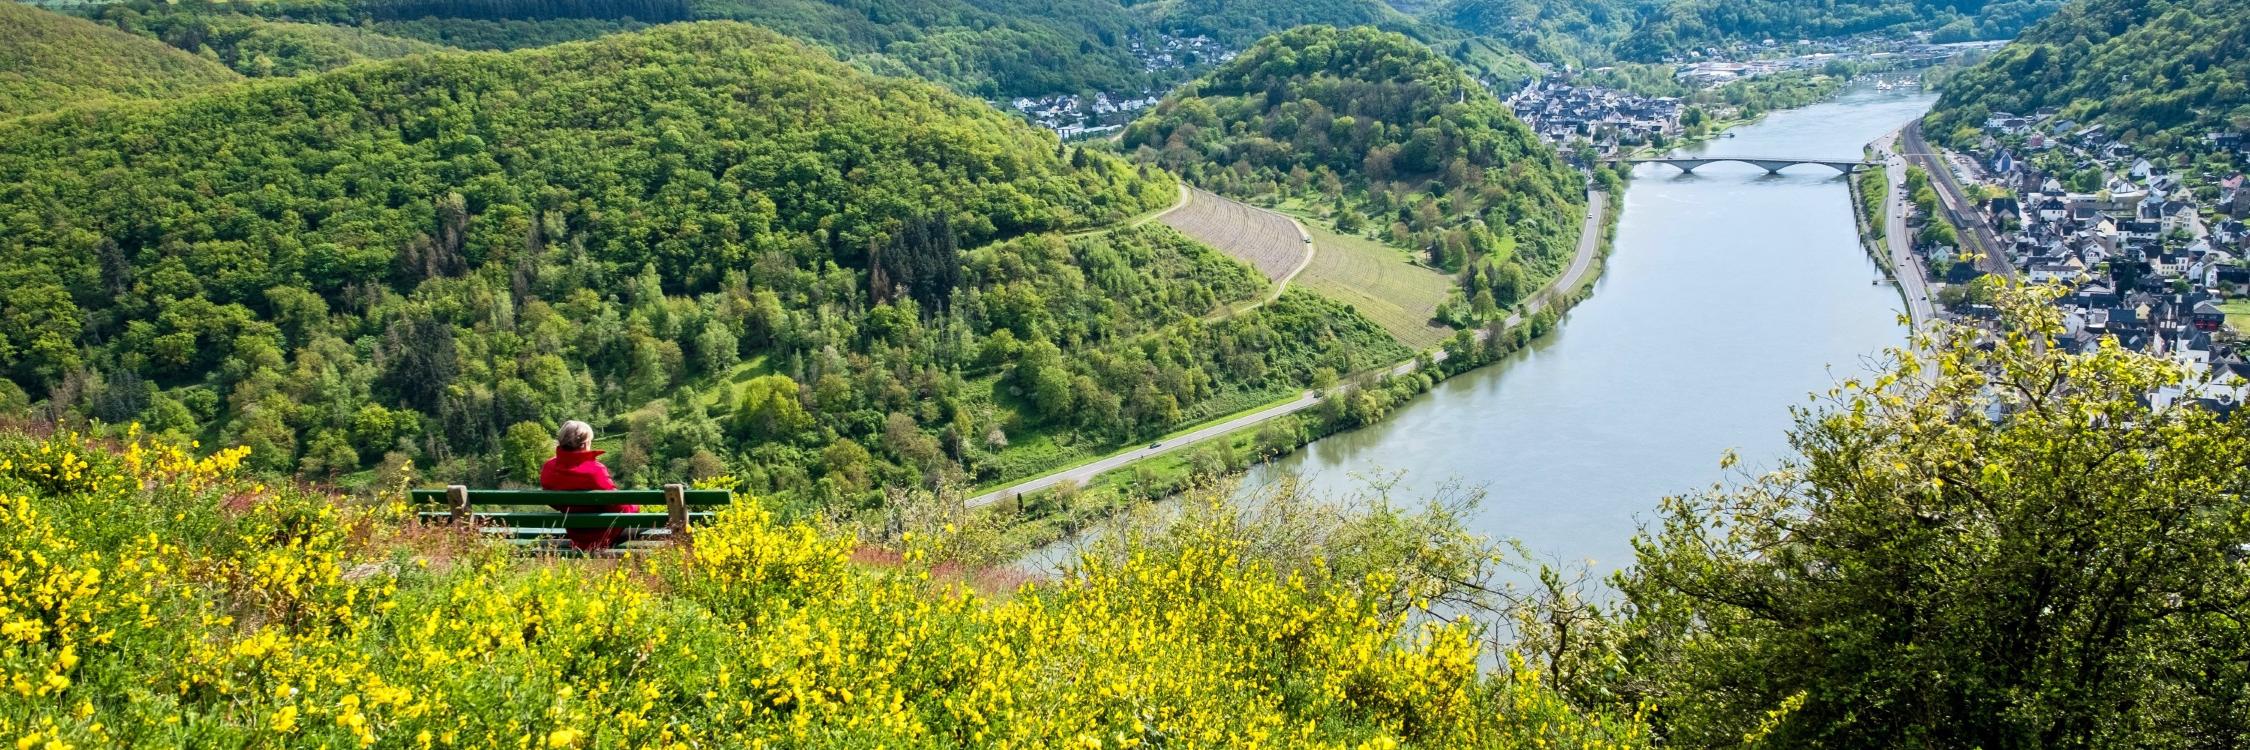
[(1390, 137), (2158, 73), (49, 60), (1244, 21), (1561, 31), (990, 48), (258, 46), (752, 257), (1683, 26)]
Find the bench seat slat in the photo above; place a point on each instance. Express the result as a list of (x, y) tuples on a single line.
[(565, 497), (554, 520)]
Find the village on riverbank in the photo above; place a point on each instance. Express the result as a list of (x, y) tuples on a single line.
[(2149, 248)]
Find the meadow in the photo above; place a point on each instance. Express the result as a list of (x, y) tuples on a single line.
[(1378, 281)]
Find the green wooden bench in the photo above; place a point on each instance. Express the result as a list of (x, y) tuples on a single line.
[(544, 527)]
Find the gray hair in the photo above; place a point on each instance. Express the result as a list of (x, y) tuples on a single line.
[(575, 436)]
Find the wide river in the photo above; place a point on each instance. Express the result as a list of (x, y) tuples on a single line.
[(1730, 296)]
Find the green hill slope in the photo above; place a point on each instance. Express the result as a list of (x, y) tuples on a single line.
[(737, 253), (48, 60), (2160, 73), (1572, 31), (262, 47), (1386, 135), (1683, 26), (989, 48), (1246, 21)]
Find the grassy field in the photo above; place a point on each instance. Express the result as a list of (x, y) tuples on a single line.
[(1381, 283), (1263, 239), (2238, 313)]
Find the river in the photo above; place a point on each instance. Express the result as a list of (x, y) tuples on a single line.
[(1730, 295)]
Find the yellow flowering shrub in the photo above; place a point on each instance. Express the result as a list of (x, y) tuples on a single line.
[(151, 598)]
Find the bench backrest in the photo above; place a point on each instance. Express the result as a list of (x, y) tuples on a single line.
[(568, 497), (675, 498)]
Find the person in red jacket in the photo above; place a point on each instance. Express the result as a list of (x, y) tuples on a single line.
[(577, 466)]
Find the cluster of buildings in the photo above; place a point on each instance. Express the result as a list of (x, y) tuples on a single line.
[(1715, 67), (1172, 51), (1077, 116), (1563, 113), (2146, 261), (1074, 116)]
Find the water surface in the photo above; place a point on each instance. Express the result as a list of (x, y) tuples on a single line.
[(1730, 295)]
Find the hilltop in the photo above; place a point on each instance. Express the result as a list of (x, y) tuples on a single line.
[(1572, 31), (51, 60), (1381, 136), (257, 46), (1242, 22), (2160, 74)]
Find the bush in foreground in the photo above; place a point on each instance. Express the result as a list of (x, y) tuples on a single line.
[(153, 598)]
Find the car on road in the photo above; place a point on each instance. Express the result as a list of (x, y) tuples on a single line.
[(1157, 444)]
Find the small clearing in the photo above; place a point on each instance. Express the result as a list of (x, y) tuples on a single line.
[(1381, 283), (1265, 240)]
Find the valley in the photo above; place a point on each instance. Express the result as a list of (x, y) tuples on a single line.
[(1339, 374)]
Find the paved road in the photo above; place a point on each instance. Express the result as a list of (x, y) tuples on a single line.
[(1913, 279), (1979, 236), (1581, 262)]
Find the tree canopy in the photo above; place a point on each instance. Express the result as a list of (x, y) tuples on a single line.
[(2159, 73), (1683, 26), (1394, 136), (257, 46), (50, 60)]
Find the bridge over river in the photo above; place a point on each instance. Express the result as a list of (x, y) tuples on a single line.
[(1772, 164)]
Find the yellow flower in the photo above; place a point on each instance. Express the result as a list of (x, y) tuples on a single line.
[(564, 738), (285, 720)]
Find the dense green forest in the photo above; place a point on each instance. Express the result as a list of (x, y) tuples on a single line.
[(1682, 27), (992, 48), (746, 256), (2159, 73), (1244, 21), (49, 60), (986, 48), (1577, 32), (1391, 137), (480, 34), (258, 46)]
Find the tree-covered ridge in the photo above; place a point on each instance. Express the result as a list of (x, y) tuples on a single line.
[(1391, 136), (988, 48), (2159, 73), (513, 34), (1560, 31), (258, 46), (1684, 26), (410, 258), (49, 60), (1246, 21)]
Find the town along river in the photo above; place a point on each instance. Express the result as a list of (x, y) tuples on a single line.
[(1730, 295)]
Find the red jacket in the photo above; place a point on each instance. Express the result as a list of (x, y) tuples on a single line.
[(583, 470)]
